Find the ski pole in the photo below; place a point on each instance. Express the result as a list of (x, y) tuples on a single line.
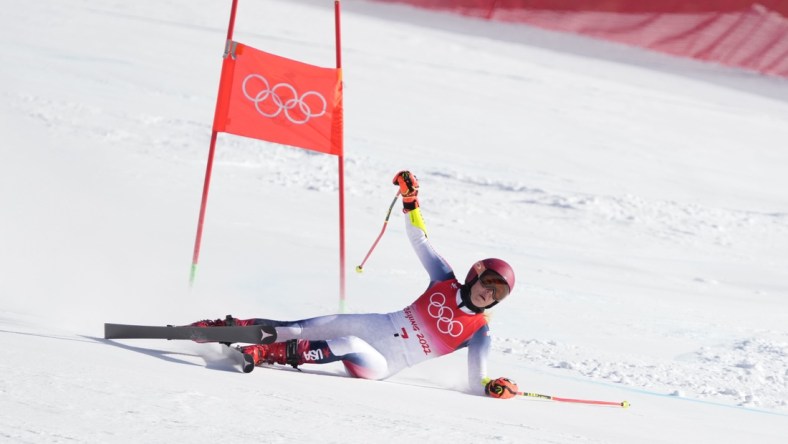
[(624, 404), (360, 268)]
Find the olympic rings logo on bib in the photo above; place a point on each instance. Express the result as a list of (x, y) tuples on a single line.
[(445, 316), (283, 100)]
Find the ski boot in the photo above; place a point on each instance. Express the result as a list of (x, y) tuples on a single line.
[(285, 353)]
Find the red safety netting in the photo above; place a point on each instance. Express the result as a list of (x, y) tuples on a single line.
[(751, 34)]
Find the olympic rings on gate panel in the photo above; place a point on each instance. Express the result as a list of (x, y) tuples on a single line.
[(283, 105)]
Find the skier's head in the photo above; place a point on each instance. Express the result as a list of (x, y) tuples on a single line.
[(488, 282)]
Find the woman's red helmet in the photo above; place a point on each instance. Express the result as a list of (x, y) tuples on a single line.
[(497, 265)]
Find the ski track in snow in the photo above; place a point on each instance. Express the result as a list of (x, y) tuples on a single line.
[(669, 220), (751, 372)]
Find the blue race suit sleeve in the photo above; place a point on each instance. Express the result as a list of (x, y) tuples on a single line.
[(437, 267)]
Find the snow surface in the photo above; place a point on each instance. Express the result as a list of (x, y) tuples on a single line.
[(641, 199)]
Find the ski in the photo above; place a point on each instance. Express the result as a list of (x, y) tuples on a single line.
[(249, 334), (244, 360)]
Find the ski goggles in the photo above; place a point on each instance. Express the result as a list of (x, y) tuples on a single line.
[(495, 282)]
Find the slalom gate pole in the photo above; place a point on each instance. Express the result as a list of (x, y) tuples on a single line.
[(360, 268), (208, 169), (340, 166), (624, 404)]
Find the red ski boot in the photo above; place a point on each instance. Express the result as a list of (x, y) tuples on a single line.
[(284, 353)]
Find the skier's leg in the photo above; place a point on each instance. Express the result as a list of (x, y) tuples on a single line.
[(365, 326), (321, 327), (360, 359), (365, 343)]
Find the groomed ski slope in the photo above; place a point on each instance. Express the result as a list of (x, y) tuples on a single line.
[(640, 198)]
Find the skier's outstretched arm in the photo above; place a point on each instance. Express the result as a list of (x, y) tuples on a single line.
[(478, 350), (480, 383), (437, 267)]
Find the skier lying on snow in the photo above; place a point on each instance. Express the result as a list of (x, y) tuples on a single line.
[(445, 318)]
